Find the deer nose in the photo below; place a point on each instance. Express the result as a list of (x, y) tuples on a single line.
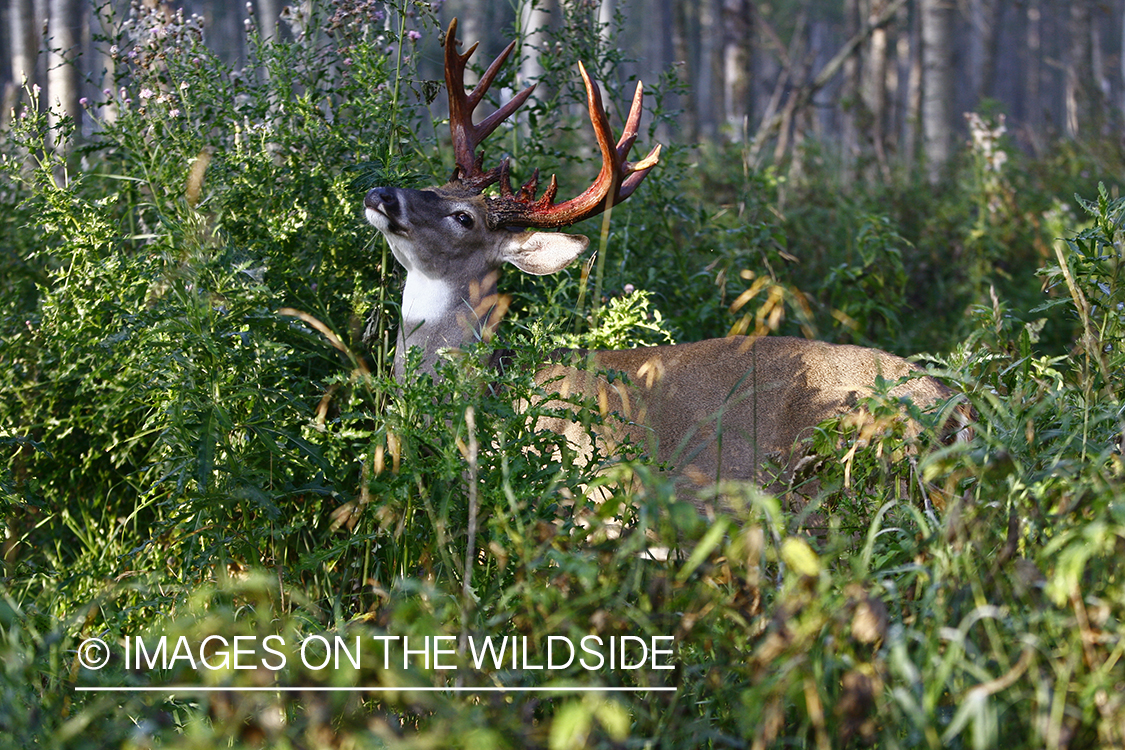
[(383, 196)]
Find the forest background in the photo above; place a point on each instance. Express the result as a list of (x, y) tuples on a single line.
[(883, 81), (201, 436)]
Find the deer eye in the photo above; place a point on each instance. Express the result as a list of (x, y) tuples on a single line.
[(464, 219)]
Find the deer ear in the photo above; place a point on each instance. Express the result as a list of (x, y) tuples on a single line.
[(541, 253)]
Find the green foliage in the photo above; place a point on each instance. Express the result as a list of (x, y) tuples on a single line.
[(626, 321), (195, 443), (867, 295)]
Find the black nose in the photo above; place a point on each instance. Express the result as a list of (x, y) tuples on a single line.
[(384, 196)]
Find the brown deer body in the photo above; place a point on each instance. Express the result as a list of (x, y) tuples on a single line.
[(710, 409)]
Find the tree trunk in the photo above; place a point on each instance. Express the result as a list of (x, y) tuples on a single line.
[(268, 17), (605, 19), (22, 33), (534, 21), (21, 28), (472, 28), (681, 51), (874, 86), (1032, 104), (984, 36), (1080, 103), (62, 70), (1099, 81), (851, 115), (535, 18), (937, 85), (912, 121), (705, 75), (737, 73), (656, 52), (1121, 56)]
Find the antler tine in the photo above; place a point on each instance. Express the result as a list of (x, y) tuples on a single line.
[(467, 136), (628, 137), (615, 182), (626, 176)]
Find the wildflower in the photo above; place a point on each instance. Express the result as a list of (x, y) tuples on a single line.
[(985, 142), (174, 113), (84, 102), (147, 93), (413, 35)]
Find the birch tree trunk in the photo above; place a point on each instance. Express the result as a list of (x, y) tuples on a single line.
[(62, 71), (709, 43), (535, 17), (21, 24), (1099, 82), (851, 115), (1121, 58), (984, 35), (681, 52), (910, 71), (937, 85), (268, 15), (1033, 110), (21, 31), (656, 23), (737, 73), (874, 77), (471, 28), (605, 19), (1080, 104)]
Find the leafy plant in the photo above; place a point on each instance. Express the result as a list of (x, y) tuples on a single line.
[(197, 443)]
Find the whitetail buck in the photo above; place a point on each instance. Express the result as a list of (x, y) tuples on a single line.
[(710, 409)]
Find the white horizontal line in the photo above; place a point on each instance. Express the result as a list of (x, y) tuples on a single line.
[(372, 689)]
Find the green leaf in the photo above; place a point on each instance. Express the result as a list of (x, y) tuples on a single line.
[(571, 726), (799, 556), (205, 458), (704, 548)]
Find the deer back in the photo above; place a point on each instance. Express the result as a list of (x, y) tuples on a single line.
[(720, 407)]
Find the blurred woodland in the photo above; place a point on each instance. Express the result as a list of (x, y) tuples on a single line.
[(880, 84)]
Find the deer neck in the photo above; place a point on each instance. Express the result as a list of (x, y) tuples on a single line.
[(440, 314)]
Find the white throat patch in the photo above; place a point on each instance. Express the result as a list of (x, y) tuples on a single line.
[(425, 299)]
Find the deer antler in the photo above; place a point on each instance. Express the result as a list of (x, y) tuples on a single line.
[(469, 171), (616, 181)]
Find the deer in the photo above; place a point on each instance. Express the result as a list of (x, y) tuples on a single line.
[(709, 410)]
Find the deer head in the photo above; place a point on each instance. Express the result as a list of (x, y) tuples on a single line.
[(453, 239)]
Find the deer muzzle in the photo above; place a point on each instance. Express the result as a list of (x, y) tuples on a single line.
[(383, 209)]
